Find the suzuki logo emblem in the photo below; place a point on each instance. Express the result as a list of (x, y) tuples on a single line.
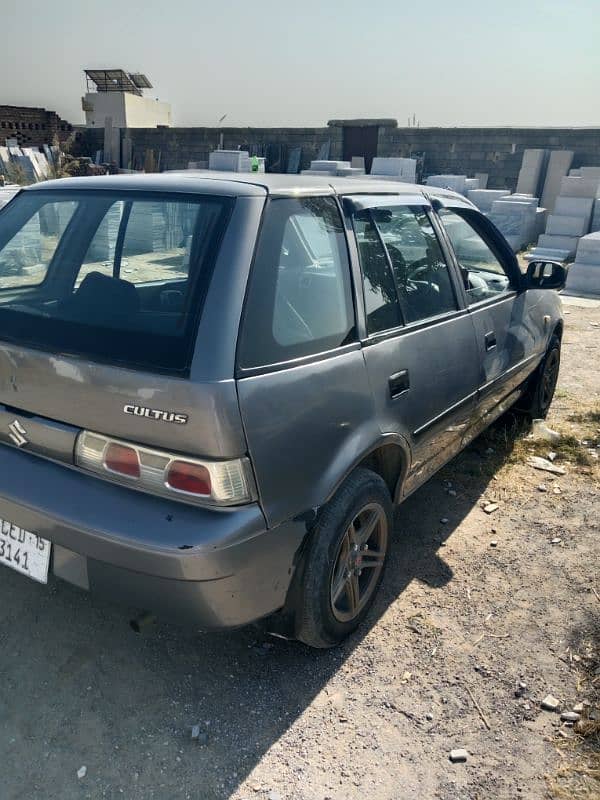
[(18, 434)]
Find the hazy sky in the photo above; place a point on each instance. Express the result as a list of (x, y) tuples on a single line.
[(269, 62)]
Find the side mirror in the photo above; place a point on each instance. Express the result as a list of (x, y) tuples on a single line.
[(545, 275)]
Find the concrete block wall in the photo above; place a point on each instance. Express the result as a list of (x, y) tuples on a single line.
[(31, 126), (496, 151)]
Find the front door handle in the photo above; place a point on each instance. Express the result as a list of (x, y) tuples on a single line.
[(490, 340), (399, 383)]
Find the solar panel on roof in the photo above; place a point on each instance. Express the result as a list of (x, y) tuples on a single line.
[(140, 80)]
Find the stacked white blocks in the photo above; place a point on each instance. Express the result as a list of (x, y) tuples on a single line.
[(533, 169), (516, 217), (572, 216), (457, 183), (483, 198), (583, 276)]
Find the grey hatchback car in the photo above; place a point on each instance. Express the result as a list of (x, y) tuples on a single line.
[(214, 387)]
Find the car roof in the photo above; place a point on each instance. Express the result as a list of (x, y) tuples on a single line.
[(244, 184)]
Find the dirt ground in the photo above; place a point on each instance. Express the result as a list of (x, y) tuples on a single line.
[(468, 609)]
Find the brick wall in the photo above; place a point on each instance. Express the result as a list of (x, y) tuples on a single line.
[(31, 127)]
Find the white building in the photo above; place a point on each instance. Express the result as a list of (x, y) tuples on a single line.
[(119, 97)]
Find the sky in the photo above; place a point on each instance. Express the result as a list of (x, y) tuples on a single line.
[(449, 62)]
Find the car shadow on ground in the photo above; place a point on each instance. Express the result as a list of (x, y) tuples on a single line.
[(81, 688)]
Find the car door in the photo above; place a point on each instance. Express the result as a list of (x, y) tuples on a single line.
[(509, 345), (419, 344)]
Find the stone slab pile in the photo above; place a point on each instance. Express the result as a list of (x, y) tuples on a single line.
[(342, 169), (571, 218), (7, 193), (583, 276), (516, 217)]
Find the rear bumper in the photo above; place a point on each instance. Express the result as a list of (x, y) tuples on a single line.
[(216, 569)]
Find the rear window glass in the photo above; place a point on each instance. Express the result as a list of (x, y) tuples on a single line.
[(117, 278)]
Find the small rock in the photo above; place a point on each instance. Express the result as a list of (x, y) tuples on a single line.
[(490, 508), (542, 487), (444, 520), (198, 735), (521, 689), (550, 703), (556, 540), (490, 451), (274, 796), (542, 431), (557, 490), (552, 455), (429, 716), (537, 462), (458, 756), (195, 731), (578, 709), (570, 716), (452, 492), (81, 772), (493, 543)]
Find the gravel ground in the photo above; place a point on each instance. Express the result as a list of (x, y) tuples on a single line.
[(468, 609)]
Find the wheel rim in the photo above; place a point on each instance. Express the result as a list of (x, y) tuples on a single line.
[(549, 378), (359, 562)]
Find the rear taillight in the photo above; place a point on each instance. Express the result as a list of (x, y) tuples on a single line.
[(217, 483)]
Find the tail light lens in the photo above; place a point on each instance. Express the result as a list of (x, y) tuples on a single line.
[(216, 483)]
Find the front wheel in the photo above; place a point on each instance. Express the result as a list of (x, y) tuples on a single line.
[(541, 392), (345, 560)]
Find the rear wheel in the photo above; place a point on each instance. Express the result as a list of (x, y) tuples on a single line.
[(345, 560), (541, 392)]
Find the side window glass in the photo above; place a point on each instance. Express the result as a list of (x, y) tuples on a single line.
[(420, 269), (299, 299), (381, 299), (482, 272), (24, 260)]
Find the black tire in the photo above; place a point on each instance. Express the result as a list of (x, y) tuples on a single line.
[(541, 391), (362, 501)]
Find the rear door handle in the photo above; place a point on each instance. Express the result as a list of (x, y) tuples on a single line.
[(399, 383), (490, 340)]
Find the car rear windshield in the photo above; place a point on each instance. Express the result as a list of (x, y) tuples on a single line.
[(115, 277)]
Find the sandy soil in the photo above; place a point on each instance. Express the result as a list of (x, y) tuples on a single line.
[(458, 624)]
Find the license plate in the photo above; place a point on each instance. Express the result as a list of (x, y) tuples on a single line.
[(24, 551)]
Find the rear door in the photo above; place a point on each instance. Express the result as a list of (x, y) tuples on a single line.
[(509, 344), (419, 345)]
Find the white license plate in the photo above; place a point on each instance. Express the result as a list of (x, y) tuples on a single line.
[(24, 551)]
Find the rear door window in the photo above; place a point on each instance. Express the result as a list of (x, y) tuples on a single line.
[(118, 277), (299, 299)]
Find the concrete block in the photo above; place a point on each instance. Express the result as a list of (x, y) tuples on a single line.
[(583, 279), (590, 244), (574, 206), (561, 225), (568, 243), (575, 173), (454, 182), (546, 254), (533, 169), (559, 164), (541, 218), (578, 187), (482, 177), (590, 173), (483, 198), (471, 184)]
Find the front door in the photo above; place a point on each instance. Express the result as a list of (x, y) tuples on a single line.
[(420, 348), (509, 347)]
